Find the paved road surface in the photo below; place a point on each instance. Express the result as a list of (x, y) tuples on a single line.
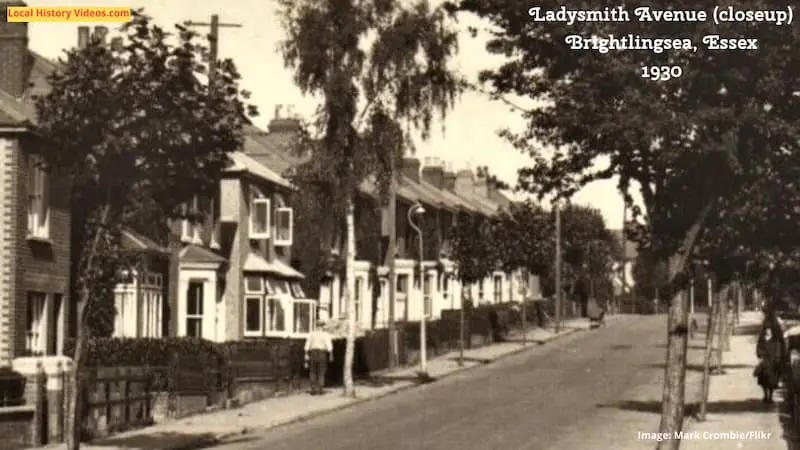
[(545, 398)]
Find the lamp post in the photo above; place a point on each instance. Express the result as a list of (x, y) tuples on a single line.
[(415, 211)]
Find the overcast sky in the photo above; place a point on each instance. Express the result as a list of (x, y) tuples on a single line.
[(469, 136)]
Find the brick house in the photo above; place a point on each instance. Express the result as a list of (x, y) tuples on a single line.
[(35, 232), (442, 193)]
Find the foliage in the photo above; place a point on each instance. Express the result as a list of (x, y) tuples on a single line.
[(649, 274), (471, 247), (129, 352), (135, 131), (523, 238)]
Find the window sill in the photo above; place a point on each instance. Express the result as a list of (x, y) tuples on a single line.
[(283, 243), (39, 239), (259, 236)]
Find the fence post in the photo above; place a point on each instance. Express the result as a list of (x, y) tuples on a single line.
[(56, 403), (172, 388), (39, 431)]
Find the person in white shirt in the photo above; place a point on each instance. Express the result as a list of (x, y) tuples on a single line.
[(319, 351)]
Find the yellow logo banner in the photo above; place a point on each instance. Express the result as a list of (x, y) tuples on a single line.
[(68, 14)]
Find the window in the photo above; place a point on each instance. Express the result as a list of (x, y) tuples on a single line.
[(36, 339), (303, 316), (297, 290), (498, 288), (214, 217), (359, 286), (278, 287), (445, 286), (259, 218), (402, 284), (254, 285), (152, 295), (38, 198), (191, 227), (254, 315), (194, 309), (275, 320), (283, 227), (480, 290)]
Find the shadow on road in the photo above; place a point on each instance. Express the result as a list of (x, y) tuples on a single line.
[(161, 440), (700, 368), (722, 407), (475, 360)]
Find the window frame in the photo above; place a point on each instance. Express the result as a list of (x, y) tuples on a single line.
[(262, 284), (312, 313), (290, 240), (38, 206), (36, 323), (261, 316), (199, 317), (254, 202), (497, 288), (297, 290)]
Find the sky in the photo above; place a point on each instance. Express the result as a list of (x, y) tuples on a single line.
[(467, 138)]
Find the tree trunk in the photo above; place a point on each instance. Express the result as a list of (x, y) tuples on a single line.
[(729, 315), (673, 397), (707, 357), (74, 413), (720, 334), (350, 255), (674, 393)]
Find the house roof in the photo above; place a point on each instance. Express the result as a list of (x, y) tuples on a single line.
[(137, 242), (244, 163), (22, 111), (197, 254), (257, 263)]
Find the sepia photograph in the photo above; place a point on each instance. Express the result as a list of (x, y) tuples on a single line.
[(399, 225)]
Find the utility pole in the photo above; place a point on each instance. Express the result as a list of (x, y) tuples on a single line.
[(557, 212), (392, 253), (624, 250), (213, 42)]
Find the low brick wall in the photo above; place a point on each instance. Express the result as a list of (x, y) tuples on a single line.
[(16, 427), (184, 405)]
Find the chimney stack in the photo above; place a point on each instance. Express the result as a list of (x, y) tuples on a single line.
[(433, 171), (100, 33), (449, 178), (411, 168), (83, 37), (465, 181), (14, 57), (284, 121)]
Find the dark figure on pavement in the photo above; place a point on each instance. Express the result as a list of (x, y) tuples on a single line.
[(771, 352), (319, 351)]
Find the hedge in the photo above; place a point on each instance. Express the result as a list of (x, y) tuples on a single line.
[(129, 352)]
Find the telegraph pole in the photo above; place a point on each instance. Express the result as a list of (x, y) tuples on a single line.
[(558, 265), (624, 251), (213, 42), (392, 253)]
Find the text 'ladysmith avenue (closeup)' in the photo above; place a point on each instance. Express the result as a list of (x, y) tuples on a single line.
[(69, 14)]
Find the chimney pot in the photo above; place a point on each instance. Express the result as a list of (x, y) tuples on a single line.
[(83, 36), (278, 109), (100, 33), (434, 174)]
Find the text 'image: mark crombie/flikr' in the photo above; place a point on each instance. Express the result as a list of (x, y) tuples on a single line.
[(68, 14)]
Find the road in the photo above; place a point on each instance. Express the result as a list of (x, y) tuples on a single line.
[(550, 397)]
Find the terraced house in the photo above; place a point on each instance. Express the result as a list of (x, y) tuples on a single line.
[(442, 193), (34, 205)]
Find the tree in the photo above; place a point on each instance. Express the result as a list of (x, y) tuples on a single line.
[(131, 125), (471, 241), (686, 144), (649, 275), (381, 71)]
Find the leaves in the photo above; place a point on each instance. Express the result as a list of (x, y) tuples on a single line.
[(139, 134)]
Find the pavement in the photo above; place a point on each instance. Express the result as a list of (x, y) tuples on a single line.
[(737, 418), (239, 425), (596, 390)]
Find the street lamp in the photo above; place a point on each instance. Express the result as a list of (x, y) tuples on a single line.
[(415, 211)]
